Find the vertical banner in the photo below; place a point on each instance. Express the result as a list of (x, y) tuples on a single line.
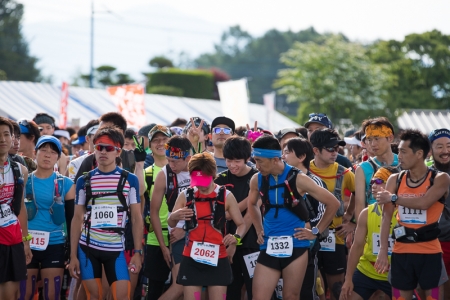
[(129, 100), (234, 101), (269, 103), (63, 105)]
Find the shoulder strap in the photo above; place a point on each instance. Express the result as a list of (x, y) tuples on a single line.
[(122, 180), (339, 179), (189, 195), (373, 164), (87, 187), (399, 179), (434, 172), (18, 187), (149, 178)]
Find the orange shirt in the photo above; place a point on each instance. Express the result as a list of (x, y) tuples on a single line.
[(416, 218)]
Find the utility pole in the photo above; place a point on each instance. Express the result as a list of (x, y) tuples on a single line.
[(91, 76)]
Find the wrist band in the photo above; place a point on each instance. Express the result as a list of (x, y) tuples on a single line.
[(27, 238)]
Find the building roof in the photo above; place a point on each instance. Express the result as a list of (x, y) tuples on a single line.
[(424, 120), (24, 99)]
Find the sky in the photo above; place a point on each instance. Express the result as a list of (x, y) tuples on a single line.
[(127, 34)]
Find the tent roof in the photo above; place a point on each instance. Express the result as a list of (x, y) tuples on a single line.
[(25, 99), (424, 120)]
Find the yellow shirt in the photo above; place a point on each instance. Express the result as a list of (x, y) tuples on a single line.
[(328, 175)]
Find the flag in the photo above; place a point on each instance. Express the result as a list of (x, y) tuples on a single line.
[(63, 107), (269, 103), (234, 100), (129, 100)]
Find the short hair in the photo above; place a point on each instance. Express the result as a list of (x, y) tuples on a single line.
[(179, 122), (52, 146), (71, 130), (129, 133), (379, 121), (204, 162), (113, 133), (82, 131), (116, 118), (180, 142), (322, 137), (303, 131), (240, 131), (33, 131), (16, 128), (417, 141), (237, 147), (267, 142), (301, 146), (91, 123), (7, 122)]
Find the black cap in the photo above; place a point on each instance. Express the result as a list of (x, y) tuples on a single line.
[(146, 129), (223, 121), (325, 139), (280, 134)]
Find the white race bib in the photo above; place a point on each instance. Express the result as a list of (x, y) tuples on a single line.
[(250, 262), (7, 216), (279, 246), (412, 215), (40, 240), (329, 244), (205, 253), (376, 244), (103, 216), (279, 289)]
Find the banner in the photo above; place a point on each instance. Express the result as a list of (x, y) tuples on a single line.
[(234, 101), (63, 105), (129, 100), (269, 103)]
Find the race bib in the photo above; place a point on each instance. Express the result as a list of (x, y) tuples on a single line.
[(412, 216), (279, 246), (329, 244), (103, 216), (279, 289), (250, 262), (205, 253), (7, 216), (376, 244), (40, 240)]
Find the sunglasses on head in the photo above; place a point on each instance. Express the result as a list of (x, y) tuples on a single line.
[(332, 149), (377, 181), (226, 130), (108, 148), (317, 115), (172, 149), (23, 122)]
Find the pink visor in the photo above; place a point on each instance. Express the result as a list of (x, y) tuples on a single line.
[(200, 179)]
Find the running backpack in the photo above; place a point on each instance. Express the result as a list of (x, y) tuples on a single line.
[(16, 203), (171, 187), (217, 216), (149, 181), (292, 200)]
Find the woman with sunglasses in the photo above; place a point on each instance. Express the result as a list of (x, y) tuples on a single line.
[(205, 260), (49, 205)]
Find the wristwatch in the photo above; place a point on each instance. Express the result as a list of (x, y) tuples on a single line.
[(394, 199), (27, 238), (315, 231), (138, 251), (238, 239)]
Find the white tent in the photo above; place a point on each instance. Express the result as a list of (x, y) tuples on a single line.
[(424, 120), (25, 99)]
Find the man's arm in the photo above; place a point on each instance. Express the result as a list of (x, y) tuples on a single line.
[(155, 205), (360, 192), (62, 164), (23, 218), (77, 223), (306, 184), (137, 228), (356, 251), (434, 193), (139, 172), (253, 209)]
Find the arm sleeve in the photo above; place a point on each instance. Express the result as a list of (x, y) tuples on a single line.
[(69, 207)]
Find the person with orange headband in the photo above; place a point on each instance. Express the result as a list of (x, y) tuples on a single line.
[(361, 278), (107, 204)]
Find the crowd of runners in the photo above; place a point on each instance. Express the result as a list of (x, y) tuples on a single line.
[(197, 210)]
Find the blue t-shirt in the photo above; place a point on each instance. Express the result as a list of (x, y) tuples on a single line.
[(368, 174), (43, 191), (286, 221)]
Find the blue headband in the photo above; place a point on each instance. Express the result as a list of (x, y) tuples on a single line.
[(170, 154), (266, 153)]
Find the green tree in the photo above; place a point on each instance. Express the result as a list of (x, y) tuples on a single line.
[(160, 62), (3, 75), (105, 76), (334, 77), (15, 59)]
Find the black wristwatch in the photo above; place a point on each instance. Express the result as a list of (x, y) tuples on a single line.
[(394, 198), (315, 231), (141, 252)]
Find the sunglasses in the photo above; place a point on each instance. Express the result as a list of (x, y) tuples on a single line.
[(172, 149), (331, 149), (317, 115), (377, 181), (108, 148), (218, 130)]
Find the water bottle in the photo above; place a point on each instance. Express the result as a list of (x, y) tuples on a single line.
[(57, 211)]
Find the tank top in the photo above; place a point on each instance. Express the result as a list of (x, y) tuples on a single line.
[(416, 218), (372, 246)]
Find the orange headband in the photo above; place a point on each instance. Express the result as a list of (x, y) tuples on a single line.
[(383, 174), (379, 131), (104, 139)]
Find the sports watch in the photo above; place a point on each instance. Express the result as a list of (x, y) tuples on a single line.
[(394, 198), (138, 251), (315, 231), (238, 239)]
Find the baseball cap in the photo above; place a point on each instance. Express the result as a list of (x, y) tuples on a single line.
[(159, 128), (319, 118), (352, 141), (48, 139), (438, 133), (327, 140), (62, 133), (92, 130), (223, 121), (198, 178), (146, 129), (285, 131), (79, 141)]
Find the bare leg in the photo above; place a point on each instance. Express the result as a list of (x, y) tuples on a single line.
[(265, 280), (176, 290), (9, 290)]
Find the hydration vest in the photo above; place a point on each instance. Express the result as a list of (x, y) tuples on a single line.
[(171, 187), (293, 201), (16, 203)]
